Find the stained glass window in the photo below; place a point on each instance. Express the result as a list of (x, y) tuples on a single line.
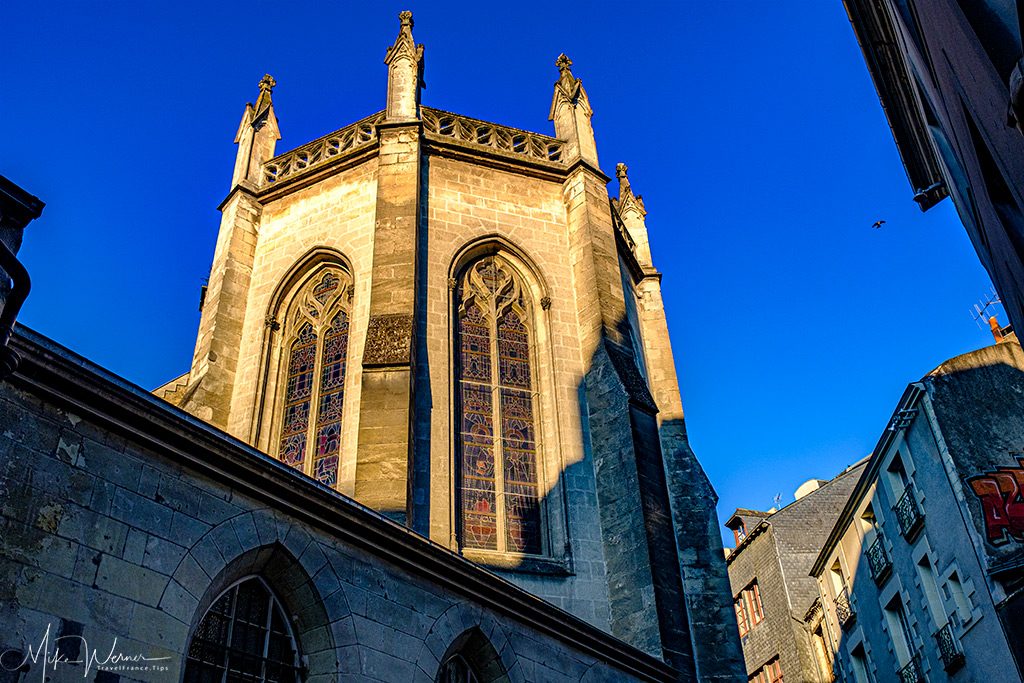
[(498, 450), (315, 376), (243, 637)]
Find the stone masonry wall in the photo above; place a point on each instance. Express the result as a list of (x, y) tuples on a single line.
[(105, 539)]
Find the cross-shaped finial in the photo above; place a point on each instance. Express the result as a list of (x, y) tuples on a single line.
[(405, 17), (563, 62), (267, 83)]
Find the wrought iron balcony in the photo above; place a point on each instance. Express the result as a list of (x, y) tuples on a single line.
[(844, 611), (908, 514), (878, 561), (950, 652), (911, 673)]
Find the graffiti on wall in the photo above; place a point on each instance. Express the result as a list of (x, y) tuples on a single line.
[(1001, 493)]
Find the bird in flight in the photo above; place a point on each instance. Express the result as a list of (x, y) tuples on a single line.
[(878, 224)]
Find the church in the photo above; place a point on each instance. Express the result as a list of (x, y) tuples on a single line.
[(431, 431)]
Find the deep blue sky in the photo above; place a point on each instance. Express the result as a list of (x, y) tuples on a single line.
[(751, 129)]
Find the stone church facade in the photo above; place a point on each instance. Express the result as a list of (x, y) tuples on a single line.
[(432, 430)]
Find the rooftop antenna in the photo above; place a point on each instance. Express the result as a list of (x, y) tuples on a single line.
[(982, 310)]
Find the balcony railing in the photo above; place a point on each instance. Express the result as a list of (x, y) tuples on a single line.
[(950, 653), (844, 611), (908, 514), (878, 561), (911, 673)]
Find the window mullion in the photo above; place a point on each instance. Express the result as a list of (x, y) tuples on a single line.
[(499, 454), (314, 402), (231, 633)]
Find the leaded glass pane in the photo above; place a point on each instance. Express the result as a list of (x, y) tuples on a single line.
[(242, 638), (315, 381), (299, 389), (332, 395), (499, 496)]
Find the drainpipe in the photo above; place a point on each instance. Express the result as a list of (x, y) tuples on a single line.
[(17, 209)]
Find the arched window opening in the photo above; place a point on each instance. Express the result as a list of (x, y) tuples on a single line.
[(471, 658), (457, 670), (497, 451), (316, 339), (243, 637)]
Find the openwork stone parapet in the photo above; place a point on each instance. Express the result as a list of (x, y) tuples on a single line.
[(477, 134), (322, 150)]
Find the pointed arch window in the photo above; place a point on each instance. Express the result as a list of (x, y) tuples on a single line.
[(497, 451), (316, 344), (244, 636)]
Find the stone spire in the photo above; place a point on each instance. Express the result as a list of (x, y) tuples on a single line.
[(405, 73), (257, 135), (632, 212), (571, 112)]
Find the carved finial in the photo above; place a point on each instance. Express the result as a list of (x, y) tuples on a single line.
[(267, 84), (621, 171), (563, 63), (405, 17), (626, 197)]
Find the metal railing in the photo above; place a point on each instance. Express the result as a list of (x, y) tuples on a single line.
[(844, 610), (911, 673), (908, 514), (950, 652), (878, 561)]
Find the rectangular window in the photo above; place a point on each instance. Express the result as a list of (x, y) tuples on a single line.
[(899, 630), (859, 661), (741, 615), (955, 591), (771, 672), (753, 596), (749, 612)]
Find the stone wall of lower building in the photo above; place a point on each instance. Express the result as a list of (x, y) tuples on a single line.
[(124, 518)]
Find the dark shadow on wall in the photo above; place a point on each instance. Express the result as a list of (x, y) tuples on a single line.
[(423, 403)]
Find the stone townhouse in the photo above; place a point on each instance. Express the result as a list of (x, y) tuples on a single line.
[(921, 578), (431, 431), (771, 586)]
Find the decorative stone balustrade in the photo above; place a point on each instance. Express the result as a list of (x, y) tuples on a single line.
[(320, 151), (483, 134)]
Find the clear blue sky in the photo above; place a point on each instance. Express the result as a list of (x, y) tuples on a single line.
[(751, 129)]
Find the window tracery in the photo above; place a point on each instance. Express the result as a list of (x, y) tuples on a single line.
[(498, 450), (314, 377), (244, 636)]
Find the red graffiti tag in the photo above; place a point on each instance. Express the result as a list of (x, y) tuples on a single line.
[(1002, 503)]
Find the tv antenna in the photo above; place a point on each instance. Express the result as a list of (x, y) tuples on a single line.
[(982, 310)]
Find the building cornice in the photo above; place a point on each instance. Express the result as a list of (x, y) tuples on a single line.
[(69, 381)]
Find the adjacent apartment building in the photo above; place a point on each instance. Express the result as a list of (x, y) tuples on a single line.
[(771, 585), (949, 77), (921, 577)]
